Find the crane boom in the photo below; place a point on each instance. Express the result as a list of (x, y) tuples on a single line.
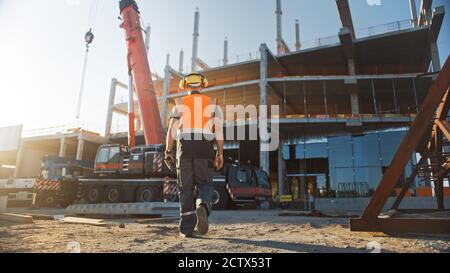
[(141, 73)]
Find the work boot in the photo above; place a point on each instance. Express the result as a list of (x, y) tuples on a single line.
[(202, 220), (182, 235)]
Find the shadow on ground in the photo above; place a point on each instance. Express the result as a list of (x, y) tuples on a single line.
[(293, 247)]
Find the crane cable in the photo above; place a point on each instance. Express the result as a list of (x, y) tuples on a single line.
[(93, 14), (89, 38)]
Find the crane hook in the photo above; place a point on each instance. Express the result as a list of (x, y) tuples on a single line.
[(89, 38)]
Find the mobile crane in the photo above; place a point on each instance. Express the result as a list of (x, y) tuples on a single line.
[(122, 173), (128, 174), (138, 173)]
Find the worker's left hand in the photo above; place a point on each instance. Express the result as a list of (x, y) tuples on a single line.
[(219, 162)]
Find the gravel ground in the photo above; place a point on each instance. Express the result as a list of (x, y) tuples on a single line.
[(231, 231)]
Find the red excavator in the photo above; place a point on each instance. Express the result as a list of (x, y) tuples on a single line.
[(125, 174)]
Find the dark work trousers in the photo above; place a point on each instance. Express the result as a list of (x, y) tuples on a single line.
[(196, 188)]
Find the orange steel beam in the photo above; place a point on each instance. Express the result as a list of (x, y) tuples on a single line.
[(432, 104), (140, 69), (412, 139)]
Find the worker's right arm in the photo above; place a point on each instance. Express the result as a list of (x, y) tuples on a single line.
[(171, 134), (170, 139)]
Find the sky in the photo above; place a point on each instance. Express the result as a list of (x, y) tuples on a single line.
[(42, 46)]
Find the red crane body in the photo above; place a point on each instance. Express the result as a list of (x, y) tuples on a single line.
[(141, 74)]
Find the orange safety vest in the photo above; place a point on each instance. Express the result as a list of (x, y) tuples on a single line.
[(196, 113)]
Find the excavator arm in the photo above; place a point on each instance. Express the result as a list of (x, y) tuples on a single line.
[(141, 74)]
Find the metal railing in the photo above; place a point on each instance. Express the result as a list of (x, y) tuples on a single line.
[(328, 40), (353, 189), (322, 41), (45, 131), (385, 28)]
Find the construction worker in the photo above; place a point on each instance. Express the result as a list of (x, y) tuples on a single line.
[(195, 125)]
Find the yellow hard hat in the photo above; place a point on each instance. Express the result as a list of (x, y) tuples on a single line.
[(194, 80)]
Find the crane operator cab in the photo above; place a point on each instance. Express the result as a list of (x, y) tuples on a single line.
[(142, 160)]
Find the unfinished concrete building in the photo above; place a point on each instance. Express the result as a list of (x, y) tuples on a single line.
[(76, 144), (345, 102)]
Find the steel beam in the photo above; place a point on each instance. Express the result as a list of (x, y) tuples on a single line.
[(436, 23), (407, 147), (409, 182), (402, 225), (413, 9), (425, 12), (346, 15)]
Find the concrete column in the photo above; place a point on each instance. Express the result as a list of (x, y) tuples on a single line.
[(195, 41), (351, 67), (62, 147), (352, 87), (298, 44), (346, 37), (80, 147), (19, 157), (353, 90), (166, 86), (354, 100), (112, 98), (180, 68), (225, 51), (263, 96), (281, 172), (413, 9)]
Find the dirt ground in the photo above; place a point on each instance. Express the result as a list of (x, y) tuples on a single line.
[(231, 231)]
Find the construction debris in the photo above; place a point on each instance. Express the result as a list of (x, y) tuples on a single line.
[(126, 209), (16, 218), (157, 220), (84, 221)]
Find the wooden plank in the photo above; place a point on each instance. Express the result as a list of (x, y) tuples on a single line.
[(39, 216), (157, 220), (16, 218), (42, 217), (126, 209), (84, 221)]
